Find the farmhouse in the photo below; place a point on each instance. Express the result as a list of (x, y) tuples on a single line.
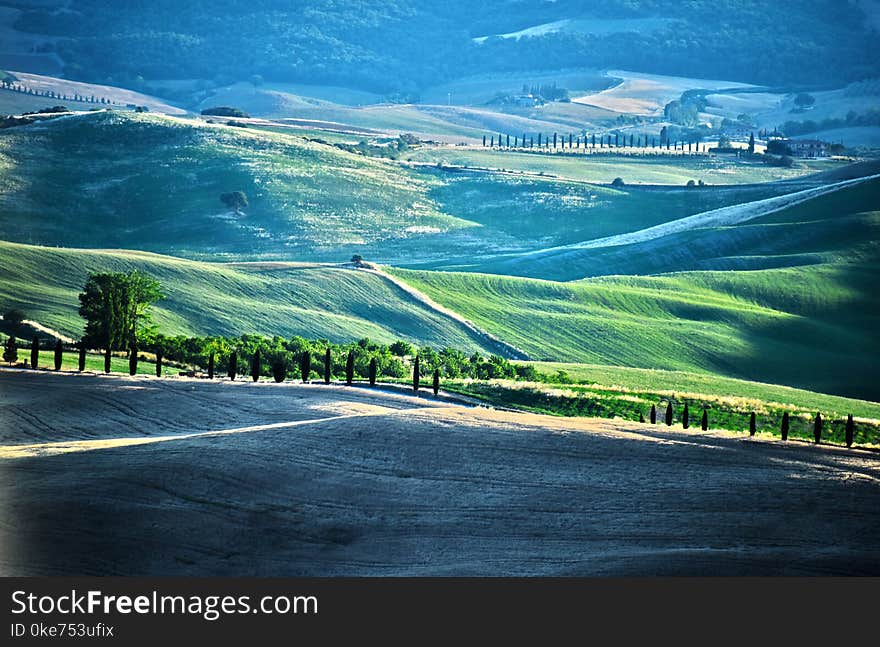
[(808, 147)]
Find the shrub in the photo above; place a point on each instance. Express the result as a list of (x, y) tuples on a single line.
[(617, 182), (10, 350), (256, 367), (850, 429), (279, 371), (233, 365)]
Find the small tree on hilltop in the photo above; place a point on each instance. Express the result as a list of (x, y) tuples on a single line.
[(850, 430), (784, 429), (357, 259), (817, 428), (10, 350), (35, 352)]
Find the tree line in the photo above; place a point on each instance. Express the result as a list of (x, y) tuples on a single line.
[(592, 141)]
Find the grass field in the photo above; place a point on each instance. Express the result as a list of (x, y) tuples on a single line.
[(314, 301)]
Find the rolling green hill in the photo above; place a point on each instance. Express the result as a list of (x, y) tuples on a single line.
[(315, 301)]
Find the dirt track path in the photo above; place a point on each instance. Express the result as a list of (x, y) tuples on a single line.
[(131, 476)]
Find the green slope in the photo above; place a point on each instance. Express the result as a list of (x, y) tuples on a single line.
[(315, 301), (813, 327)]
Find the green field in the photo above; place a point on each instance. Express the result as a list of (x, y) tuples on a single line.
[(314, 301)]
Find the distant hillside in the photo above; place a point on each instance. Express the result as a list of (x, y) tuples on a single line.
[(398, 47), (315, 301)]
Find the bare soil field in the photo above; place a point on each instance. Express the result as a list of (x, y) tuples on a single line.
[(140, 476)]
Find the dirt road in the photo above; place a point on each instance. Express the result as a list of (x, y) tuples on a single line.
[(138, 476)]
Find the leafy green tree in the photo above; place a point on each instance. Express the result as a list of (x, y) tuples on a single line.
[(235, 200), (401, 348), (10, 350), (116, 307)]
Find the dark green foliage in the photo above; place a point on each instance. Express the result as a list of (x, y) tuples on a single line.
[(669, 414), (784, 428), (817, 428), (279, 371), (235, 200), (373, 371), (753, 424), (305, 366), (82, 356), (159, 356), (59, 354), (256, 366), (618, 182), (704, 422), (211, 366), (641, 417), (107, 360), (133, 360), (436, 385), (685, 417), (653, 414), (225, 111), (10, 350), (850, 428), (35, 352), (116, 307), (328, 366), (415, 376), (233, 365), (349, 368)]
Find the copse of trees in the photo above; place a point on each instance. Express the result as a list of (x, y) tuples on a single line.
[(116, 307)]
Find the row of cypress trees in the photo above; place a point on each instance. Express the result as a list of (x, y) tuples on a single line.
[(818, 423)]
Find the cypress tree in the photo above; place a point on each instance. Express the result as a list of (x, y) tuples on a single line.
[(35, 352), (499, 140), (349, 368), (233, 365), (539, 140), (82, 356), (669, 414), (641, 417), (492, 142), (211, 366), (704, 423), (305, 366), (653, 415), (753, 424), (594, 140), (554, 140), (279, 371), (416, 374), (523, 140), (817, 428), (59, 354), (569, 140), (436, 384), (685, 417), (850, 430), (133, 360), (327, 365), (106, 360), (508, 141), (484, 141), (256, 368), (373, 372), (10, 350), (159, 356), (785, 426), (531, 142)]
